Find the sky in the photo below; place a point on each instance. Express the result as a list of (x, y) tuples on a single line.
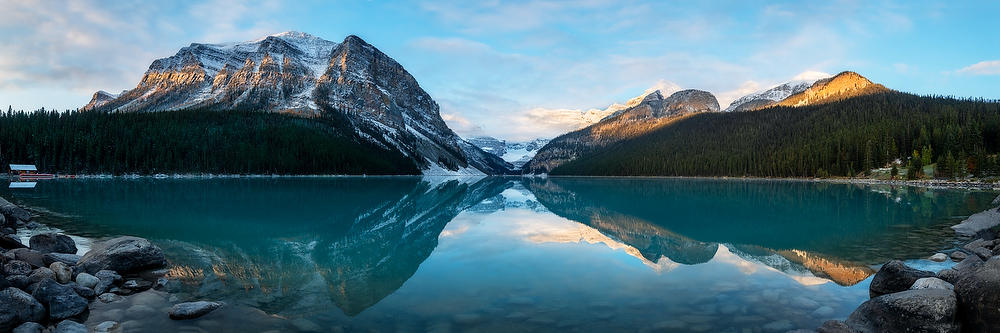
[(519, 70)]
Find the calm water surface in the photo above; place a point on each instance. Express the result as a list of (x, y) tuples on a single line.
[(503, 254)]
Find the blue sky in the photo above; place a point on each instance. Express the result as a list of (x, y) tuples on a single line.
[(523, 69)]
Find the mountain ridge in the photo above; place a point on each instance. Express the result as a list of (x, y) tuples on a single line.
[(304, 75)]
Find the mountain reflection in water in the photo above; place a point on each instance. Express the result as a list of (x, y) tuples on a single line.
[(516, 253)]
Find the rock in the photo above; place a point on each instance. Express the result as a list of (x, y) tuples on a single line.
[(8, 242), (931, 283), (137, 285), (69, 326), (68, 259), (29, 327), (4, 284), (893, 277), (52, 242), (778, 326), (83, 291), (161, 283), (978, 222), (123, 255), (63, 273), (87, 281), (979, 297), (982, 252), (62, 301), (40, 274), (191, 310), (939, 257), (823, 312), (17, 307), (969, 264), (948, 275), (958, 255), (17, 267), (12, 212), (834, 326), (106, 280), (925, 310), (19, 281), (29, 256), (109, 297), (107, 327)]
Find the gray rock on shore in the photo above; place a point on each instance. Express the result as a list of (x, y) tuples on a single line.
[(931, 283), (52, 243), (17, 307), (924, 310), (69, 326), (894, 277), (191, 310), (61, 300), (29, 327), (123, 255), (979, 297)]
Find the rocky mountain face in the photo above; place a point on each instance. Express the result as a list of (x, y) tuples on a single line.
[(515, 153), (842, 86), (652, 111), (769, 97), (350, 82)]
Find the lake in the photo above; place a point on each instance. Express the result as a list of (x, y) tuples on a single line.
[(507, 254)]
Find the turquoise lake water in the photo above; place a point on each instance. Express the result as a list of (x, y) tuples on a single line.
[(507, 254)]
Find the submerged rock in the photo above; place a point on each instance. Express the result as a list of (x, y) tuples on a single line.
[(62, 301), (834, 326), (979, 297), (925, 310), (17, 307), (191, 310), (107, 327), (29, 327), (895, 276), (69, 326), (52, 243), (123, 255)]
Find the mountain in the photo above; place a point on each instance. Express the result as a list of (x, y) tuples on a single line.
[(515, 153), (645, 114), (294, 73), (842, 86), (842, 126), (766, 98)]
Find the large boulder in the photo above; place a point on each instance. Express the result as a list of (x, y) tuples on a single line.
[(17, 307), (123, 255), (12, 212), (69, 259), (979, 297), (62, 301), (924, 310), (894, 277), (931, 283), (29, 327), (52, 243), (191, 310)]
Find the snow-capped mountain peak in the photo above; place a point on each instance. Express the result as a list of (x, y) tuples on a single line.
[(298, 73), (771, 96)]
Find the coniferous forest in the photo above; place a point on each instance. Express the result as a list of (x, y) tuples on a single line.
[(195, 141), (844, 138)]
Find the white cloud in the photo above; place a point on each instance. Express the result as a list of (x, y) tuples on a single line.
[(811, 76), (990, 67)]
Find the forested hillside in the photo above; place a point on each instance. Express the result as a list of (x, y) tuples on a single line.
[(843, 138), (192, 141)]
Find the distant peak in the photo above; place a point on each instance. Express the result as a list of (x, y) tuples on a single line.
[(353, 39), (844, 85)]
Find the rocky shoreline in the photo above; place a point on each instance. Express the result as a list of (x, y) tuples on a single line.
[(965, 297), (46, 287)]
